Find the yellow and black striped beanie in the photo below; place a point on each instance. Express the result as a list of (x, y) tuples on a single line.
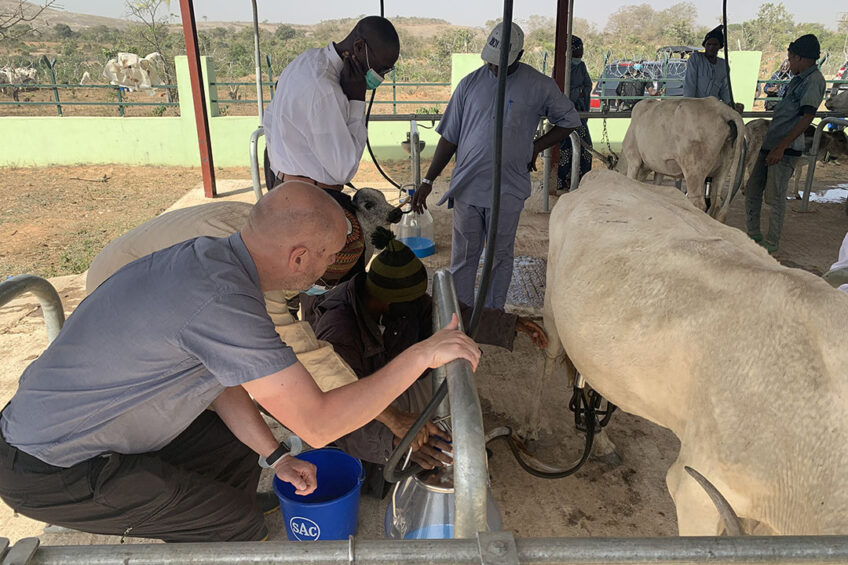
[(396, 274)]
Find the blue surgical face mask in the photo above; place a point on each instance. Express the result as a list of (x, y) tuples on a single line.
[(576, 61), (316, 290), (372, 77)]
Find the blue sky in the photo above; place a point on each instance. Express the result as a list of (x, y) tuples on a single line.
[(466, 12)]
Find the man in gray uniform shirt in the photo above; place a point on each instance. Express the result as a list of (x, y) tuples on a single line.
[(110, 430), (467, 130)]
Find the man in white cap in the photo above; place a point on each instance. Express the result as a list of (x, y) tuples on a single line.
[(467, 130)]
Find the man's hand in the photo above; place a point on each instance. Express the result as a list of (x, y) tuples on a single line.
[(534, 330), (531, 166), (448, 344), (419, 199), (433, 454), (401, 422), (774, 156), (300, 473), (352, 79)]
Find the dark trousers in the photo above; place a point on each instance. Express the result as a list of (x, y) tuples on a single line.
[(200, 487)]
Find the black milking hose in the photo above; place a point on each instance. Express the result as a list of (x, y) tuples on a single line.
[(390, 469)]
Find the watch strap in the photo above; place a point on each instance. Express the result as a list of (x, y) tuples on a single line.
[(275, 456)]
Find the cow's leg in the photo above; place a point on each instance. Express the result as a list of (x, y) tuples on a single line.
[(696, 514), (658, 178), (695, 190)]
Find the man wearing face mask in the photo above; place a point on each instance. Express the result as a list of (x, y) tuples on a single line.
[(375, 316), (315, 124), (580, 90)]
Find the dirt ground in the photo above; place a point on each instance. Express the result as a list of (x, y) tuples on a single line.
[(629, 499)]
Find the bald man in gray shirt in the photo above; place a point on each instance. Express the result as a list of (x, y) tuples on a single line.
[(110, 430)]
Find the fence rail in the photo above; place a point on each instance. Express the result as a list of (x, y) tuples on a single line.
[(55, 87)]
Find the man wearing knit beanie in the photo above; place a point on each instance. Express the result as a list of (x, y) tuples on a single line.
[(369, 320), (784, 141), (706, 73)]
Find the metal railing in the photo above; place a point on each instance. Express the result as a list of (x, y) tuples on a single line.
[(120, 102), (812, 158), (394, 100), (486, 548), (48, 298)]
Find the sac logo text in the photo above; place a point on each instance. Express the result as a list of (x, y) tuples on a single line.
[(304, 529)]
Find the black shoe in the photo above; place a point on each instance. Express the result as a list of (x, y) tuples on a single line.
[(267, 501)]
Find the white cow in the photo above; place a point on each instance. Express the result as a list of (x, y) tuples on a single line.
[(133, 72), (688, 323), (216, 219), (18, 75), (693, 137)]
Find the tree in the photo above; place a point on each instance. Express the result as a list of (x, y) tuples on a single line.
[(154, 30), (17, 18), (63, 31), (284, 32)]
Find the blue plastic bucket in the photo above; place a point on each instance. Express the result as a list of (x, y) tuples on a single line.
[(331, 512), (421, 246)]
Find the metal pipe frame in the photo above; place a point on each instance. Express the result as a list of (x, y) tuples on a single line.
[(487, 548), (576, 152), (48, 298), (470, 475), (813, 157), (583, 115), (255, 176), (258, 59), (415, 153)]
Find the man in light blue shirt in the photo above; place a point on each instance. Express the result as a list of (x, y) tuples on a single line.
[(706, 73), (467, 130)]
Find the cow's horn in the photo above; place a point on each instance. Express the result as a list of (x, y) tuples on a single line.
[(725, 511)]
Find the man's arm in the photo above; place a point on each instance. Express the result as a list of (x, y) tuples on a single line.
[(553, 137), (445, 151), (775, 155), (292, 396), (241, 416)]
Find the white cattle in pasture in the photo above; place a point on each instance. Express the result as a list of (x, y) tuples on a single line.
[(17, 76), (133, 72), (688, 323), (693, 137)]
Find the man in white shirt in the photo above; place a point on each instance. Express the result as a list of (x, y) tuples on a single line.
[(315, 124)]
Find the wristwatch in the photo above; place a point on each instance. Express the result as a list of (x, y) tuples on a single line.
[(280, 452), (427, 181)]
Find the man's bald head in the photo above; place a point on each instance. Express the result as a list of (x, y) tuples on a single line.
[(380, 36), (294, 218)]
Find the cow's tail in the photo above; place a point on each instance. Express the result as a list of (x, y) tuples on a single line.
[(737, 134)]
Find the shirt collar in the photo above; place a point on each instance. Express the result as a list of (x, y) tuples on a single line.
[(333, 58), (243, 255), (808, 72)]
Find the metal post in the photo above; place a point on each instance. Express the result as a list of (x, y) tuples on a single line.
[(254, 161), (561, 53), (120, 99), (257, 58), (415, 153), (575, 160), (394, 93), (270, 73), (812, 157), (201, 118), (48, 298), (50, 63), (469, 444)]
